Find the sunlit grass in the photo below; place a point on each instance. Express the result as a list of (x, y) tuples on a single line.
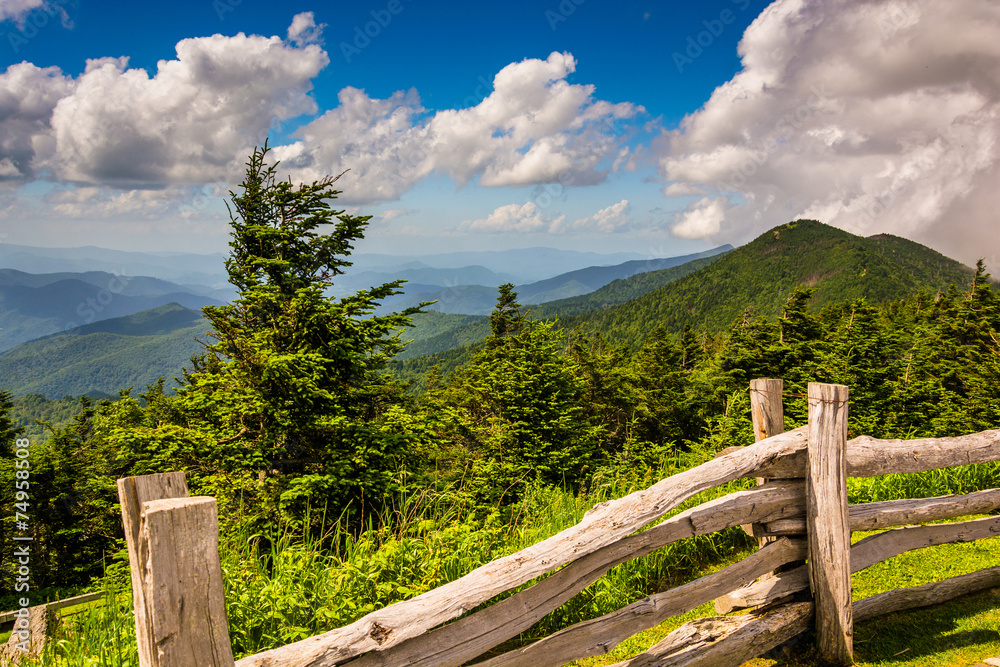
[(283, 587)]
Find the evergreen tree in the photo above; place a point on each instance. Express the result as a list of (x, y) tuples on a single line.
[(520, 410), (506, 318), (291, 393)]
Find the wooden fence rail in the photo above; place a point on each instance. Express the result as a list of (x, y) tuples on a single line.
[(803, 510)]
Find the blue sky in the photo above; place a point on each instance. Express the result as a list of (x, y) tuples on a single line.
[(654, 127)]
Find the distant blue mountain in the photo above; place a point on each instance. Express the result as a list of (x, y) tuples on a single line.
[(584, 281), (478, 299), (36, 305)]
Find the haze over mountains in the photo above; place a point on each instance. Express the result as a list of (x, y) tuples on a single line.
[(88, 326), (129, 331), (752, 280), (471, 297), (35, 305)]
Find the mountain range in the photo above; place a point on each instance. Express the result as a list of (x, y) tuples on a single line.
[(106, 356), (469, 297), (82, 331), (752, 280), (35, 305), (708, 292)]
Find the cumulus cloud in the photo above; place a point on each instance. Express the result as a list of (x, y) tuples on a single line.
[(873, 115), (512, 218), (86, 202), (701, 220), (194, 121), (614, 218), (534, 127), (304, 30), (28, 96), (17, 9), (530, 217)]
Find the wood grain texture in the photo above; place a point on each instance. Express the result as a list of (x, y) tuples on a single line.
[(827, 529), (726, 641), (133, 492), (871, 457), (892, 513), (39, 626), (603, 525), (731, 641), (926, 595), (183, 593), (781, 456), (766, 409), (599, 636), (467, 638), (864, 554), (767, 413)]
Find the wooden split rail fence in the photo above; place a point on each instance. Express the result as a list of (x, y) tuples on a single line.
[(800, 506)]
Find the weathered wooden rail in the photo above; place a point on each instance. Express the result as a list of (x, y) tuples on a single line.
[(800, 507)]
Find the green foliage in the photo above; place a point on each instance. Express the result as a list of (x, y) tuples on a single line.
[(101, 362), (433, 331), (517, 409), (28, 411), (291, 391), (760, 276), (291, 418), (451, 347)]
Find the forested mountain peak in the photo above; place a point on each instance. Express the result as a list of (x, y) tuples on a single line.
[(758, 277)]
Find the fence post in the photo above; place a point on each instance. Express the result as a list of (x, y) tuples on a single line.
[(829, 532), (768, 414), (180, 613)]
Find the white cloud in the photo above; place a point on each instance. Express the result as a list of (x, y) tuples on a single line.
[(116, 205), (28, 95), (392, 213), (701, 220), (682, 190), (530, 217), (512, 218), (875, 116), (614, 218), (534, 127), (31, 16), (304, 30), (194, 121), (17, 9)]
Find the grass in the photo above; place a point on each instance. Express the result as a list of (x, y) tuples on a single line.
[(281, 588)]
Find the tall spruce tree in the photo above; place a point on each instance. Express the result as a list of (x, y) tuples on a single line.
[(291, 390)]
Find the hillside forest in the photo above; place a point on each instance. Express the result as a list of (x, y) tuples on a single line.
[(295, 418)]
